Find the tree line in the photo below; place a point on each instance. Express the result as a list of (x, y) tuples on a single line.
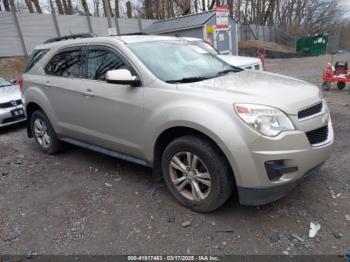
[(295, 16)]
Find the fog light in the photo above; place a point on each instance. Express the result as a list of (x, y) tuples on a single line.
[(276, 168)]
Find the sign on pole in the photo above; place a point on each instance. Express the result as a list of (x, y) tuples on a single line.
[(222, 17)]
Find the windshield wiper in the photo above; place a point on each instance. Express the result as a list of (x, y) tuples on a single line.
[(189, 79), (224, 72)]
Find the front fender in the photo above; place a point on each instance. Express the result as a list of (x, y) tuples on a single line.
[(216, 122)]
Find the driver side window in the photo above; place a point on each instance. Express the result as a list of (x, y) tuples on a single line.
[(100, 61)]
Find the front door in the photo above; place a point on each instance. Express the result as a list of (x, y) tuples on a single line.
[(112, 114)]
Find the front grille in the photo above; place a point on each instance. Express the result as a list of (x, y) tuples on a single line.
[(318, 135), (11, 103), (312, 110)]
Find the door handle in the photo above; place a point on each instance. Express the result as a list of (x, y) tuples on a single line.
[(87, 93)]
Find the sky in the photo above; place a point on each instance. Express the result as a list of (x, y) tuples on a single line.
[(347, 4)]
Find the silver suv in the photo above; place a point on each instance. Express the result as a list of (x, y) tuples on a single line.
[(206, 127)]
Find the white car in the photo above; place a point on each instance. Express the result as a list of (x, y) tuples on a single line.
[(11, 108), (250, 63)]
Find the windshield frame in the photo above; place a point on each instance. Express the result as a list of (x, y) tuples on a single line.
[(132, 46)]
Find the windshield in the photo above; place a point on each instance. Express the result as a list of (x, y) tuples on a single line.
[(4, 82), (206, 47), (179, 60)]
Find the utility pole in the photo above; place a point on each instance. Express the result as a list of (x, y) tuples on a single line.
[(108, 13), (21, 38), (53, 13)]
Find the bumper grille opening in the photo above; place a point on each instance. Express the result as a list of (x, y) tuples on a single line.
[(312, 110), (318, 135), (11, 104)]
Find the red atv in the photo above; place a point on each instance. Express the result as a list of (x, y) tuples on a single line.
[(338, 73)]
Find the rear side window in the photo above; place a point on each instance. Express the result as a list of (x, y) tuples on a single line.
[(66, 63), (100, 61), (34, 58)]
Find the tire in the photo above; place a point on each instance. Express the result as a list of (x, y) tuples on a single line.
[(326, 86), (341, 85), (48, 146), (208, 158)]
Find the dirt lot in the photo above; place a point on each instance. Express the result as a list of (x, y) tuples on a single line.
[(81, 202)]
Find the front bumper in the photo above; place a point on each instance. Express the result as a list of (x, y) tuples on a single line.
[(262, 196), (6, 117), (293, 149)]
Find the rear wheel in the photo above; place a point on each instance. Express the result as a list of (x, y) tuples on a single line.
[(196, 174), (341, 85), (44, 134), (326, 86)]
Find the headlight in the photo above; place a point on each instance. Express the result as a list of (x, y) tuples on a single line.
[(267, 120)]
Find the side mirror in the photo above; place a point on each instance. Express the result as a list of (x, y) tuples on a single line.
[(122, 77)]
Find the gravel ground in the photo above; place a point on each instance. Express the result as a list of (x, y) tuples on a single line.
[(81, 202)]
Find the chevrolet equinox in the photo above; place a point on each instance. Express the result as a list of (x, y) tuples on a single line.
[(208, 128)]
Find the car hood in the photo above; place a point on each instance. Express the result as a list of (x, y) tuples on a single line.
[(9, 93), (283, 92), (240, 61)]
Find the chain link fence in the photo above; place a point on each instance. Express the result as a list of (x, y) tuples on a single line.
[(267, 34)]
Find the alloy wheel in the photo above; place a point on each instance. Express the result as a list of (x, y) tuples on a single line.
[(41, 133), (190, 176)]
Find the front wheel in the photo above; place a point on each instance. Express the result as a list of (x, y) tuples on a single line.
[(196, 174), (341, 85), (44, 134)]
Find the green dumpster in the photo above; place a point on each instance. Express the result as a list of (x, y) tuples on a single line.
[(313, 45)]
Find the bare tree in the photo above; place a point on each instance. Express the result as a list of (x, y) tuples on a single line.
[(30, 6), (129, 9), (116, 8), (107, 7), (6, 5), (59, 7), (67, 7), (70, 6), (148, 9), (203, 5), (85, 7), (97, 7), (37, 6)]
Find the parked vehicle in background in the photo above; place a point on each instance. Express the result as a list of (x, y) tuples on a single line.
[(341, 52), (251, 63), (207, 127), (11, 106)]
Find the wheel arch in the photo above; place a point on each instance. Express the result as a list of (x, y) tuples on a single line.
[(170, 134)]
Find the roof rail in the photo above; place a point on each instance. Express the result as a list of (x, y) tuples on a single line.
[(71, 36)]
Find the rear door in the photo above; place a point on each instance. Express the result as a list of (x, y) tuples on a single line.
[(112, 114), (64, 74)]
